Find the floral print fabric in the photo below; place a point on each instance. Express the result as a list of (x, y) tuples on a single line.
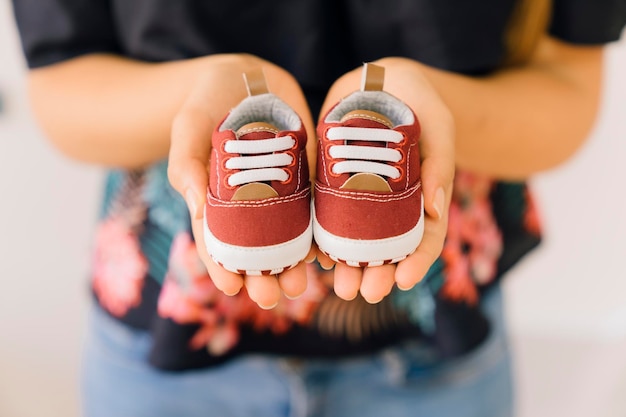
[(145, 263)]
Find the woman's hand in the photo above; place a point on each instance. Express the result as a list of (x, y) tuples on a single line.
[(404, 79), (217, 91)]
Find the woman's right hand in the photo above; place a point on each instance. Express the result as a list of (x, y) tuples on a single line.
[(219, 89)]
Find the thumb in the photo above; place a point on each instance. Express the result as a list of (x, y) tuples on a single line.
[(194, 180), (436, 186), (189, 155)]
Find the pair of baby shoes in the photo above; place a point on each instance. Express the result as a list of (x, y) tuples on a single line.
[(367, 210)]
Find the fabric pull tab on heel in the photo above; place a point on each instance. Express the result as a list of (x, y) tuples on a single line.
[(255, 82), (373, 77)]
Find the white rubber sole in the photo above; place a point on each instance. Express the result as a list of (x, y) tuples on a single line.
[(358, 252), (261, 260)]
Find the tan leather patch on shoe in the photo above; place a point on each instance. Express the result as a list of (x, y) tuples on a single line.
[(366, 182), (256, 127), (373, 77), (368, 115), (254, 191), (255, 82)]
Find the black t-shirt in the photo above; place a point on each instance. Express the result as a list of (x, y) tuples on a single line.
[(142, 273), (315, 40)]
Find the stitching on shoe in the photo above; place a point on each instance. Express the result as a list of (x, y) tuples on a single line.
[(303, 194), (217, 162), (375, 200), (370, 194), (299, 169), (374, 194), (411, 190), (257, 129), (408, 166), (324, 163), (373, 118)]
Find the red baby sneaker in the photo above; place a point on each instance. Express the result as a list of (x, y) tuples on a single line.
[(257, 218), (368, 208)]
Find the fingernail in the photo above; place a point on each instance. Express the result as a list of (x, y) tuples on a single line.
[(439, 201), (233, 293), (403, 288), (192, 201), (289, 297), (268, 307), (327, 267)]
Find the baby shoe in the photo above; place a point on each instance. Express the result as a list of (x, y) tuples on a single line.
[(257, 218), (368, 207)]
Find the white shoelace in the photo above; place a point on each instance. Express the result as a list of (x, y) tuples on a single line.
[(360, 158), (260, 161)]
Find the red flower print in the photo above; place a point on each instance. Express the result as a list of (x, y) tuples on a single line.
[(189, 296), (474, 242), (119, 267), (458, 284)]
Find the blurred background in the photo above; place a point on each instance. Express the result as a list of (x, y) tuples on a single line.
[(566, 302)]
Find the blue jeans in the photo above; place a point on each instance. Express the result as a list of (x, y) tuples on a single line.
[(398, 381)]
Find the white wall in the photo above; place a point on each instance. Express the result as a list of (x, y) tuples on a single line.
[(565, 302), (47, 209)]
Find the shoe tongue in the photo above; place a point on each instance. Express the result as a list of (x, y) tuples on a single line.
[(256, 130), (372, 120), (255, 190), (366, 118)]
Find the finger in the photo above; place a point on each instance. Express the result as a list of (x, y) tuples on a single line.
[(310, 257), (437, 173), (324, 260), (227, 282), (377, 283), (293, 281), (413, 269), (347, 281), (189, 155), (263, 290)]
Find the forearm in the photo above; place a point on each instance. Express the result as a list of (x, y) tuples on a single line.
[(110, 110), (521, 121)]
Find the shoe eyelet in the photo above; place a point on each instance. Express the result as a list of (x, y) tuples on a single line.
[(325, 133), (289, 178), (226, 184), (293, 159), (295, 141), (402, 158), (223, 164), (401, 177), (327, 151), (331, 172)]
